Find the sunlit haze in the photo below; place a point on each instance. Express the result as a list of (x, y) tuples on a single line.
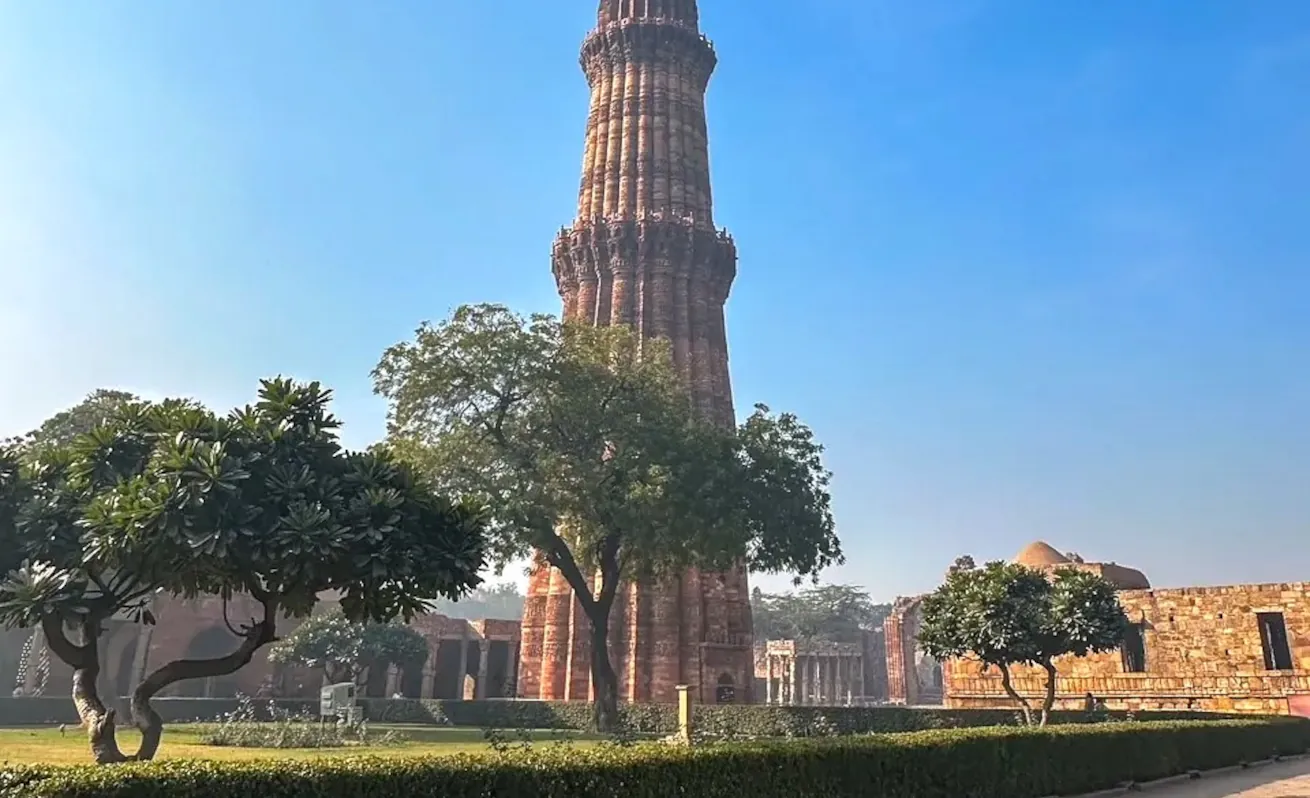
[(1031, 269)]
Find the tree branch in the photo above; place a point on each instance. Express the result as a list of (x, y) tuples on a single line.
[(259, 634), (561, 556), (1010, 691), (227, 622), (610, 568), (73, 655)]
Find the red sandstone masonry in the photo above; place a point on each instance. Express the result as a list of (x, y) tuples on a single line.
[(644, 251)]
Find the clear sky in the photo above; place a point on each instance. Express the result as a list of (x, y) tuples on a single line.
[(1031, 269)]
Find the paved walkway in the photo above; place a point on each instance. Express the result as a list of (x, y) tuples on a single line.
[(1279, 780)]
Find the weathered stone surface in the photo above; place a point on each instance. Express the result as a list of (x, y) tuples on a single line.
[(912, 677), (488, 649), (643, 250), (1203, 651)]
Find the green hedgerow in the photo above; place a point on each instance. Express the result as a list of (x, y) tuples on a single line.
[(978, 763)]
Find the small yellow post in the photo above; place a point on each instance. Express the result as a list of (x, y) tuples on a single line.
[(684, 713)]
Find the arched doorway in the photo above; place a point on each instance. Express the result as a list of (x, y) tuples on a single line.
[(726, 691)]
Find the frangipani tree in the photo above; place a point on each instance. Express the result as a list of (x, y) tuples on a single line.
[(1007, 614), (170, 499), (345, 649)]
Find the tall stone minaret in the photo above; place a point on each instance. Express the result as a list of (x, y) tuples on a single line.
[(644, 251)]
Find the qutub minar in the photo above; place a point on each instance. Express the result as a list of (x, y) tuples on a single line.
[(644, 251)]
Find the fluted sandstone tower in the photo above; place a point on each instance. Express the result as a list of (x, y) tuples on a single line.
[(644, 251)]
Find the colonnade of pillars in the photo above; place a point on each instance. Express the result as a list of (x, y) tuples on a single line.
[(430, 669), (817, 679)]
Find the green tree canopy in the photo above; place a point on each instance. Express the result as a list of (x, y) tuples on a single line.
[(169, 498), (828, 613), (583, 442), (63, 427), (1006, 614), (502, 601), (345, 649)]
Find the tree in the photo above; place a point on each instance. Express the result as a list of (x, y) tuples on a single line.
[(965, 563), (169, 498), (92, 412), (345, 649), (584, 443), (1006, 614), (829, 613), (503, 601)]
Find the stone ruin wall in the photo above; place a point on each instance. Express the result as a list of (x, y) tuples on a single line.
[(487, 649), (1203, 651)]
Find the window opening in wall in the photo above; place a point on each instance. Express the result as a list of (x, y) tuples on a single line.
[(1273, 638), (1133, 650), (726, 692)]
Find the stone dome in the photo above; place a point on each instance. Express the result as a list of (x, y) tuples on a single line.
[(1041, 555), (1045, 557)]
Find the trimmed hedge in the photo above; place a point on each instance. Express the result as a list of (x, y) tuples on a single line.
[(717, 721), (54, 710), (980, 763), (725, 720)]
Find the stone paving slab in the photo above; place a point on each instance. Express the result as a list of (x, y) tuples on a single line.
[(1289, 779)]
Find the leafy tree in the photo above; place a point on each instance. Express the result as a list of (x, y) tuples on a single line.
[(345, 649), (1006, 614), (584, 444), (168, 498), (965, 563), (92, 412), (830, 613), (503, 601)]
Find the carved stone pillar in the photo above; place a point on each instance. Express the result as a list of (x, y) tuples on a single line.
[(768, 678), (481, 687), (429, 676), (515, 658), (463, 666)]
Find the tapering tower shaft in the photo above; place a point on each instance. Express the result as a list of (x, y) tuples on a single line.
[(643, 250)]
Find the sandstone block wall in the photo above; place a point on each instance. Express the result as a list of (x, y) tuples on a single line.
[(1203, 651)]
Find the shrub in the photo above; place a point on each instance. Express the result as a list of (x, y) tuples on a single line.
[(253, 726), (981, 763), (736, 720)]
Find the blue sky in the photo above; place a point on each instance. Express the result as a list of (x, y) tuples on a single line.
[(1031, 269)]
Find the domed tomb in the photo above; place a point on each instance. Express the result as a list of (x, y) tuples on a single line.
[(1045, 557), (1041, 554)]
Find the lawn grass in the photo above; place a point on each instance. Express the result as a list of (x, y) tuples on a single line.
[(45, 745)]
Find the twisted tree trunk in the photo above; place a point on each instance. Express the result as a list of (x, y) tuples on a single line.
[(84, 659), (1049, 702), (99, 721), (1012, 693)]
